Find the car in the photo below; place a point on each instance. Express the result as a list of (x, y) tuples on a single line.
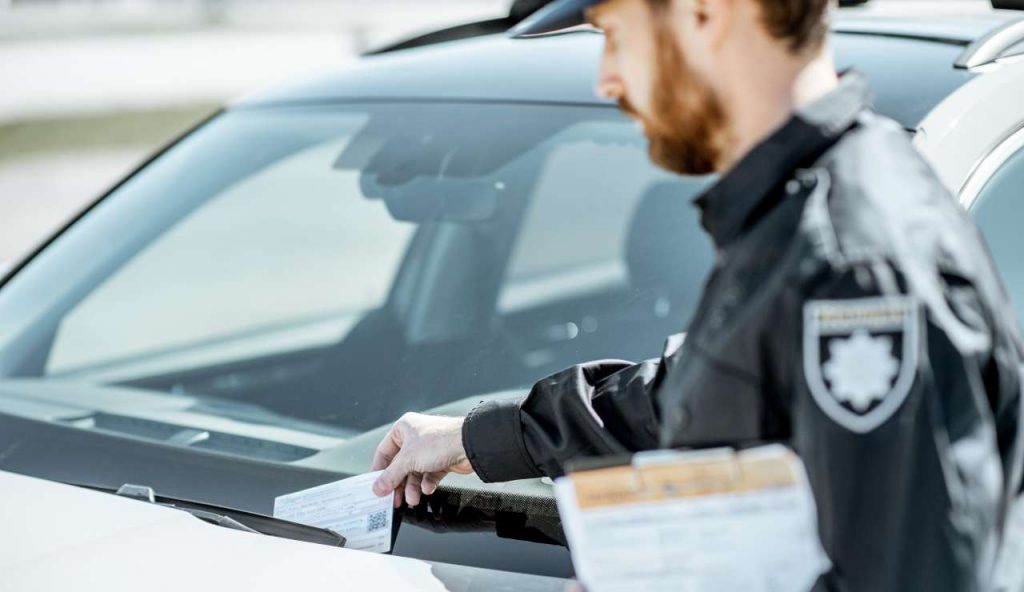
[(975, 141), (444, 222)]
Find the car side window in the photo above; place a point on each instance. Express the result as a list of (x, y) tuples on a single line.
[(287, 258), (999, 212)]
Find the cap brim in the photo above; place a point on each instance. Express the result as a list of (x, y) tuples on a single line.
[(556, 16)]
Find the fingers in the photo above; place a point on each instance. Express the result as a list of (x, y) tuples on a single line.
[(399, 496), (412, 489), (416, 444), (430, 481), (415, 486), (392, 477)]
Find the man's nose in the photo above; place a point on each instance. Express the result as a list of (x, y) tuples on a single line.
[(609, 84), (609, 89)]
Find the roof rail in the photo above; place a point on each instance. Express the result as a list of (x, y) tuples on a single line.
[(992, 46), (519, 10), (466, 31)]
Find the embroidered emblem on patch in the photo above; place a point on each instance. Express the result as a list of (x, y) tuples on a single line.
[(860, 357)]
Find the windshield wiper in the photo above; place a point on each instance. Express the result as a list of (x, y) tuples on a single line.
[(230, 517)]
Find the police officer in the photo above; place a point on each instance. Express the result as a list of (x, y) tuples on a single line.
[(853, 311)]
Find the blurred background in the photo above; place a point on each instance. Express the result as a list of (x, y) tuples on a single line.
[(89, 88)]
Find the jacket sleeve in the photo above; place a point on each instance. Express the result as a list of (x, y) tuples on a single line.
[(594, 409), (892, 418)]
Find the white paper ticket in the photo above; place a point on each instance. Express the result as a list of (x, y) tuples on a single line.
[(348, 507), (703, 521)]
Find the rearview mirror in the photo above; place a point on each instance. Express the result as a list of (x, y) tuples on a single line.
[(424, 199)]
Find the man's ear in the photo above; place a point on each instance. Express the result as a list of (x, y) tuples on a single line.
[(713, 19)]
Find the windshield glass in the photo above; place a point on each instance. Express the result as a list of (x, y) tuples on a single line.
[(280, 286)]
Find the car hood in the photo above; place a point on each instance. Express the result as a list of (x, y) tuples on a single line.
[(57, 537)]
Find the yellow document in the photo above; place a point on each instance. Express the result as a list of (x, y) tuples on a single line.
[(715, 520)]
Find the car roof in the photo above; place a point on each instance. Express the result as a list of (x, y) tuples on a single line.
[(909, 63), (951, 20)]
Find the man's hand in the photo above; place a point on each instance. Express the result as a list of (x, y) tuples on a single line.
[(417, 453)]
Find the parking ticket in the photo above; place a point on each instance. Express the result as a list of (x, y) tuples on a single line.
[(348, 507), (697, 521)]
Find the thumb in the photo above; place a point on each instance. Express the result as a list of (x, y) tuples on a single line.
[(391, 477)]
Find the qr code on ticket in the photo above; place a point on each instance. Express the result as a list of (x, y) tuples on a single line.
[(377, 521)]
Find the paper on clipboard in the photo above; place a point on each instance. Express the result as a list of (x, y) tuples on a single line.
[(701, 521)]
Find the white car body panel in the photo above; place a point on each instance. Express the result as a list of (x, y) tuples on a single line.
[(60, 538), (970, 124)]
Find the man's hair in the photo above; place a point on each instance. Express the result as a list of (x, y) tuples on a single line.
[(802, 24)]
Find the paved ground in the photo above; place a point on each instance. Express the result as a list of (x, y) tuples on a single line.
[(84, 57), (375, 21), (102, 74), (66, 78)]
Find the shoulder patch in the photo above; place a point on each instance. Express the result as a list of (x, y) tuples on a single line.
[(861, 357)]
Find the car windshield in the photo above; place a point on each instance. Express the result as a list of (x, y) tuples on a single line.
[(281, 285)]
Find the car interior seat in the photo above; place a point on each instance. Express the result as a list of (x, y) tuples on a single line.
[(667, 257), (667, 254)]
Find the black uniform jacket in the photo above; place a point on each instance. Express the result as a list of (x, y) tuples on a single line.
[(853, 313)]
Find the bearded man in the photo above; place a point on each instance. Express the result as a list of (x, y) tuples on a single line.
[(853, 312)]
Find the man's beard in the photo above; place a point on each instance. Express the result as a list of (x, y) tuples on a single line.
[(687, 124)]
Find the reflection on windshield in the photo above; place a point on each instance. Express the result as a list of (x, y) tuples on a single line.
[(287, 279)]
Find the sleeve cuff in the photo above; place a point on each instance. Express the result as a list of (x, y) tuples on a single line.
[(493, 438)]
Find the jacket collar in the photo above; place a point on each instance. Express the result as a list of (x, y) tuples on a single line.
[(743, 195)]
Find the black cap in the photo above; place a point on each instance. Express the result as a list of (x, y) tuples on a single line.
[(555, 16)]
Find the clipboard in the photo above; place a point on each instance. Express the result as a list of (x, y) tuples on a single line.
[(703, 520)]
